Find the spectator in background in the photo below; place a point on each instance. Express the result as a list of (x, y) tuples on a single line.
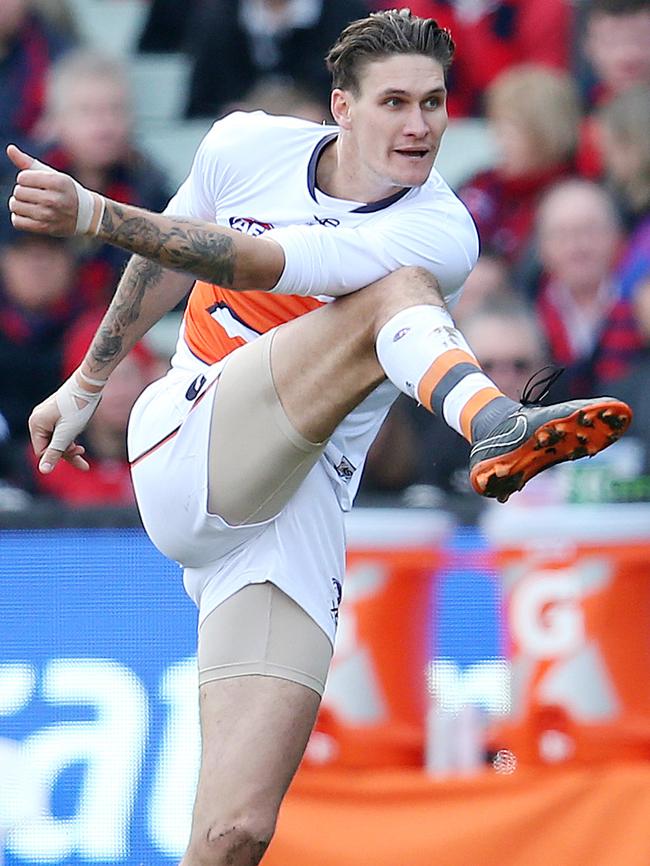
[(167, 25), (490, 281), (29, 44), (237, 43), (88, 131), (616, 43), (494, 35), (633, 387), (277, 97), (38, 302), (108, 481), (589, 328), (616, 46), (60, 15), (534, 115), (507, 340), (624, 132), (12, 497)]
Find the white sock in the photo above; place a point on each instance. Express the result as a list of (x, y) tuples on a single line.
[(411, 348)]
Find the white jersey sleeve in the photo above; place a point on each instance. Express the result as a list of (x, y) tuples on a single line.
[(320, 260), (198, 195)]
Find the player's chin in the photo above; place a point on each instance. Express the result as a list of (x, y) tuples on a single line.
[(413, 173), (412, 178)]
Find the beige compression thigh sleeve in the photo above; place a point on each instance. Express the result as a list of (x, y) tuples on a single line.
[(257, 459), (260, 630)]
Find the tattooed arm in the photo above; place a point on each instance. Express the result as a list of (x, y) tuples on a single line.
[(45, 201), (209, 252), (145, 292)]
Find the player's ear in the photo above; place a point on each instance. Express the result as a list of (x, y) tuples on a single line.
[(340, 104)]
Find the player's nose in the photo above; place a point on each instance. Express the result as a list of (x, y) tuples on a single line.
[(415, 123)]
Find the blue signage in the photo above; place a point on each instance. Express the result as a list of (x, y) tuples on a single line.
[(99, 737)]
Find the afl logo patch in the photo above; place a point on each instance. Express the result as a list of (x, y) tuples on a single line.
[(401, 333), (249, 226)]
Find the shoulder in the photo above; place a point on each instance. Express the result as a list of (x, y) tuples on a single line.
[(437, 207), (244, 128)]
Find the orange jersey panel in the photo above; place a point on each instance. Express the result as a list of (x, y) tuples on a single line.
[(208, 340)]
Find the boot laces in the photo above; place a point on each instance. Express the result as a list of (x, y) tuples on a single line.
[(538, 385)]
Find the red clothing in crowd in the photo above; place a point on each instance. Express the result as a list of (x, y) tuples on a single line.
[(608, 354), (504, 208), (107, 482), (23, 75), (491, 36)]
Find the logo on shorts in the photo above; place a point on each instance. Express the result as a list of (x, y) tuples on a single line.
[(345, 469), (336, 601), (195, 388), (401, 333)]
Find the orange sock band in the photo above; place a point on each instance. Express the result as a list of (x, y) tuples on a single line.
[(473, 406), (439, 369)]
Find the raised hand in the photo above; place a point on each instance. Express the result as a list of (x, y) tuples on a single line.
[(45, 201)]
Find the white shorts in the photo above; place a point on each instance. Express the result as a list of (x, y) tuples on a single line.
[(301, 550)]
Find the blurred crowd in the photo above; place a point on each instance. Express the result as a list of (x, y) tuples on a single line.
[(564, 213)]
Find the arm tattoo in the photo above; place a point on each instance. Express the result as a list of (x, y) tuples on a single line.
[(187, 245), (139, 277)]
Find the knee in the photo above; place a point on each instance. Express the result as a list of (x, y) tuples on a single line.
[(405, 286), (238, 843)]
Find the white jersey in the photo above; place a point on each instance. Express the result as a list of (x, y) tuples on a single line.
[(257, 173)]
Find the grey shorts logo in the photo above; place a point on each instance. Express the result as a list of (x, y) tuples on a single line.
[(344, 469), (195, 388)]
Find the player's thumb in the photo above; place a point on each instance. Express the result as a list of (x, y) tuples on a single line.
[(24, 161), (49, 458), (19, 158)]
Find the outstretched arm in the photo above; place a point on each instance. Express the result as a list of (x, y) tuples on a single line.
[(45, 201), (145, 292)]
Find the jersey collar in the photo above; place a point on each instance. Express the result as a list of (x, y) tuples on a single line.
[(362, 208)]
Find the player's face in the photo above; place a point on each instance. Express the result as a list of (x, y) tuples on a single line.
[(397, 119)]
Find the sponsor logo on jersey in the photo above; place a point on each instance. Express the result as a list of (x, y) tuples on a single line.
[(331, 222), (249, 226)]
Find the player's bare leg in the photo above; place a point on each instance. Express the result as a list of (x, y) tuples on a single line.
[(254, 732), (325, 363)]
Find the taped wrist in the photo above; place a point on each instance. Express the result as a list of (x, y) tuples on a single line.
[(90, 210), (76, 406)]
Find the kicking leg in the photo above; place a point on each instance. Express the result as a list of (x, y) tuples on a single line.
[(326, 362), (321, 365)]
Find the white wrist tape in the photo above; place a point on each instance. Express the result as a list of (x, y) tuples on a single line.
[(85, 204), (86, 210), (98, 382), (76, 406)]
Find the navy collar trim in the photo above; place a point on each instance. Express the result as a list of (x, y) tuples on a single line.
[(363, 208)]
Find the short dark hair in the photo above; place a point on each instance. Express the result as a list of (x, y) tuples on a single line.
[(383, 34), (617, 7)]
